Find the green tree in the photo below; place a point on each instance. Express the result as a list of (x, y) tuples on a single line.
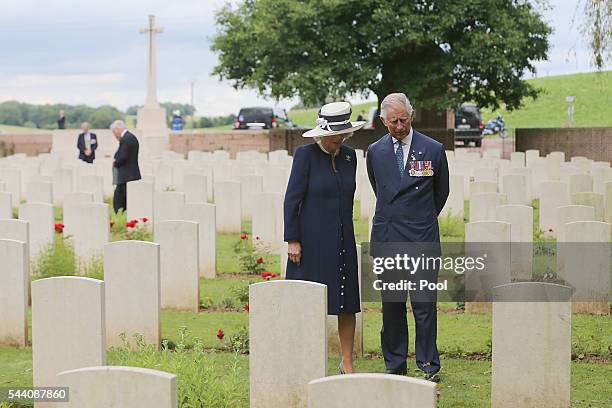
[(104, 116), (316, 49)]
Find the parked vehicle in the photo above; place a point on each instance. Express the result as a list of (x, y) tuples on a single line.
[(469, 126), (262, 118)]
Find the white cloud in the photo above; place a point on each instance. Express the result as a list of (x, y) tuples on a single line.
[(75, 51)]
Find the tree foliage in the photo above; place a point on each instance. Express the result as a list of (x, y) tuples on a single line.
[(45, 116), (598, 28), (316, 49)]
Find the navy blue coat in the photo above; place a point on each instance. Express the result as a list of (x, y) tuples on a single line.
[(407, 207), (319, 214), (81, 146)]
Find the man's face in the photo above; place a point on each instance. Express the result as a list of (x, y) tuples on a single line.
[(117, 133), (398, 121), (85, 127)]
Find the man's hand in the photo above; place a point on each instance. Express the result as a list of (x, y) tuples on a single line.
[(87, 152), (295, 252)]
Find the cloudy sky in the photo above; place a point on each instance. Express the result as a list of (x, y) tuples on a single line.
[(79, 51)]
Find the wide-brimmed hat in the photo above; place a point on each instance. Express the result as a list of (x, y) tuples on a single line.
[(334, 119)]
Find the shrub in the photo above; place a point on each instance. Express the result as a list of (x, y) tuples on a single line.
[(251, 259), (202, 382), (241, 292), (56, 259), (122, 229)]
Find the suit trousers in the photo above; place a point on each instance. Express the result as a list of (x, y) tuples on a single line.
[(120, 197), (394, 332)]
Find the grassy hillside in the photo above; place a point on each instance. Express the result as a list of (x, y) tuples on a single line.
[(592, 106), (20, 129)]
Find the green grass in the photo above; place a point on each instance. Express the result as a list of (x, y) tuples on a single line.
[(593, 92), (307, 117)]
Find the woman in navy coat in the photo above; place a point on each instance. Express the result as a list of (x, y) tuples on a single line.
[(319, 219)]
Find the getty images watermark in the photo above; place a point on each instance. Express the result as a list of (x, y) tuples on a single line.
[(411, 265)]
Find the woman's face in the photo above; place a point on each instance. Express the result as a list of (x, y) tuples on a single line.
[(332, 143)]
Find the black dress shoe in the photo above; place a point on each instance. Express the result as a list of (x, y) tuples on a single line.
[(399, 371), (433, 377)]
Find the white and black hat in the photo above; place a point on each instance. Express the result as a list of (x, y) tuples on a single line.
[(334, 119)]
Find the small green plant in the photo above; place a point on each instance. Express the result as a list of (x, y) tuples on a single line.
[(251, 259), (94, 268), (202, 381), (56, 259), (136, 229), (241, 292), (451, 226), (169, 188), (227, 303), (239, 341)]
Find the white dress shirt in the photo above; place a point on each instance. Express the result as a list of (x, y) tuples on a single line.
[(406, 142)]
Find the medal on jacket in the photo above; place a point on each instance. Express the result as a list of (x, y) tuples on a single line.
[(421, 168)]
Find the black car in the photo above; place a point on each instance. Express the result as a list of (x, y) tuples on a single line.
[(469, 126), (262, 118)]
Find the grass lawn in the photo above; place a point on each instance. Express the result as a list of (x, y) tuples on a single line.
[(20, 129), (593, 92), (464, 342)]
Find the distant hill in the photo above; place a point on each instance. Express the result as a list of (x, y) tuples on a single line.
[(592, 105)]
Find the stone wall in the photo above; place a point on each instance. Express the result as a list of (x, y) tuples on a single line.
[(231, 140), (30, 144), (594, 143)]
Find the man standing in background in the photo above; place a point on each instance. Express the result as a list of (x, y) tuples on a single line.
[(61, 121), (87, 144), (125, 166)]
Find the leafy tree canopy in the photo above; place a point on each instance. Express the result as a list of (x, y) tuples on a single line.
[(316, 49)]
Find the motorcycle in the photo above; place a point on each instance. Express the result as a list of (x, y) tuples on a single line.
[(495, 126)]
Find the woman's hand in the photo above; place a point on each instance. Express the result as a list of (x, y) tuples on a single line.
[(295, 251)]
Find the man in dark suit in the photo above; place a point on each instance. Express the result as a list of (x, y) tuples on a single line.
[(125, 166), (408, 172), (87, 144)]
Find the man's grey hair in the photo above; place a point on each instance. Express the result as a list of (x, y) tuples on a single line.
[(84, 124), (118, 124), (395, 99)]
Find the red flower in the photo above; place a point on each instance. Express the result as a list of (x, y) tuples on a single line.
[(59, 228), (244, 236), (134, 221), (268, 275), (272, 275), (246, 307), (144, 219), (260, 260), (112, 223), (130, 224), (220, 334)]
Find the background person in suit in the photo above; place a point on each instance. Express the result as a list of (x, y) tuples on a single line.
[(126, 163), (87, 144), (61, 120), (319, 219), (408, 172)]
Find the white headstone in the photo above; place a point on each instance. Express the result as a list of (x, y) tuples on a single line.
[(515, 187), (279, 375), (40, 218), (12, 182), (92, 184), (62, 185), (482, 205), (15, 284), (268, 219), (91, 232), (132, 277), (71, 200), (454, 206), (483, 187), (195, 187), (204, 215), (595, 200), (39, 192), (571, 213), (520, 218), (608, 201), (140, 197), (180, 269), (228, 201), (14, 229), (580, 183), (67, 327), (527, 337), (553, 194), (371, 390), (116, 386), (168, 205), (250, 184), (6, 206), (530, 156)]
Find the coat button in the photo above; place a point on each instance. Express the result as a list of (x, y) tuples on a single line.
[(344, 277), (341, 286), (340, 268), (341, 293), (417, 187)]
